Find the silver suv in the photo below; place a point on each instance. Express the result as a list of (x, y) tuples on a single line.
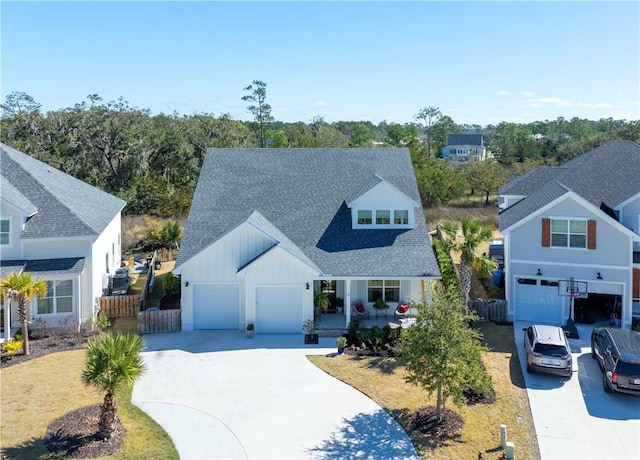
[(547, 350)]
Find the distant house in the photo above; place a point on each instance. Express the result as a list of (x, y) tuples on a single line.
[(269, 227), (581, 222), (60, 229), (465, 147)]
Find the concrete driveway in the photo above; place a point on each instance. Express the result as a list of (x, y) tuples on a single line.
[(221, 395), (576, 419)]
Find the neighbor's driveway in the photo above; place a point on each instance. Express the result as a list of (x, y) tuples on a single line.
[(576, 419), (220, 395)]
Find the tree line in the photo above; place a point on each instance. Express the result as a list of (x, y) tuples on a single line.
[(153, 161)]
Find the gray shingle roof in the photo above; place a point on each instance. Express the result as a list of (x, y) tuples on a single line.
[(609, 175), (302, 193), (65, 206), (465, 139), (41, 267)]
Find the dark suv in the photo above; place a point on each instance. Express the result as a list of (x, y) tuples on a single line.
[(618, 354)]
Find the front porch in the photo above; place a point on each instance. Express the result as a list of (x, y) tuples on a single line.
[(330, 324)]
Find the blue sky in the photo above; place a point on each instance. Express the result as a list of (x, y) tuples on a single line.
[(479, 62)]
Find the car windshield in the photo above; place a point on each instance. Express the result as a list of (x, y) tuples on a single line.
[(630, 369), (550, 350)]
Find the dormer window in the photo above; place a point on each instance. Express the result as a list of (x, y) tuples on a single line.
[(364, 218), (382, 207), (401, 217), (383, 217)]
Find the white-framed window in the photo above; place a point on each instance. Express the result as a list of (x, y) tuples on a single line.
[(365, 217), (569, 233), (59, 298), (401, 217), (5, 227), (383, 217), (389, 290)]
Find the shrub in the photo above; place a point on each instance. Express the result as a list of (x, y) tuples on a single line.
[(310, 327), (341, 342), (447, 270), (12, 346), (352, 332), (172, 284)]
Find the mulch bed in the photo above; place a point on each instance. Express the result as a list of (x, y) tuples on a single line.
[(424, 420), (52, 344), (74, 435)]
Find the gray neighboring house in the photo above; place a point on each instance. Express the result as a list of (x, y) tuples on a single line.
[(269, 227), (580, 220), (60, 229), (465, 147)]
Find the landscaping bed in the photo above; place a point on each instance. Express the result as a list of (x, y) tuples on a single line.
[(383, 380)]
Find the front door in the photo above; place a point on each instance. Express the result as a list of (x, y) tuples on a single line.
[(329, 287)]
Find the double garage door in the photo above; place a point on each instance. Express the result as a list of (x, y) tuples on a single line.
[(540, 303), (278, 309)]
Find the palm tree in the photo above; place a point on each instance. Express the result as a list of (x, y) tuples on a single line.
[(171, 233), (113, 363), (21, 287), (465, 237)]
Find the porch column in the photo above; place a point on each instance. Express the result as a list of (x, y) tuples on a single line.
[(347, 302)]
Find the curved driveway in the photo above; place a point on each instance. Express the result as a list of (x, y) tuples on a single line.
[(221, 395)]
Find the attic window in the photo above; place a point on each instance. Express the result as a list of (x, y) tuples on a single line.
[(364, 217)]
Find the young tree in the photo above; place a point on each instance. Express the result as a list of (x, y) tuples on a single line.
[(465, 237), (486, 176), (113, 363), (429, 116), (441, 352), (261, 111), (21, 288)]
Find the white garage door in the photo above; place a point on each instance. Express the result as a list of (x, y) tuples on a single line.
[(216, 306), (539, 304), (279, 310)]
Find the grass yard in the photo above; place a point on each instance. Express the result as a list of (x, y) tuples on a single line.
[(37, 392), (383, 381)]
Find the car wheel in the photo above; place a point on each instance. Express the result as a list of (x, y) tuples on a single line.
[(593, 353), (606, 384), (529, 368)]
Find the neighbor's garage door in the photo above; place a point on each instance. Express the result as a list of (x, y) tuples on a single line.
[(216, 306), (279, 310), (538, 304)]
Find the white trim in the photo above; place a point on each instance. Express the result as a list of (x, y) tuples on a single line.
[(619, 206), (17, 208), (565, 264), (580, 201), (393, 189), (273, 250)]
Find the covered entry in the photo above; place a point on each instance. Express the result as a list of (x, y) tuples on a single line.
[(216, 306), (279, 310)]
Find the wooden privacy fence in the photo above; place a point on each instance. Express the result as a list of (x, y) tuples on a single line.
[(489, 309), (152, 321), (123, 306)]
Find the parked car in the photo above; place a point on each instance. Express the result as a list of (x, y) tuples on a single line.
[(547, 350), (618, 354)]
